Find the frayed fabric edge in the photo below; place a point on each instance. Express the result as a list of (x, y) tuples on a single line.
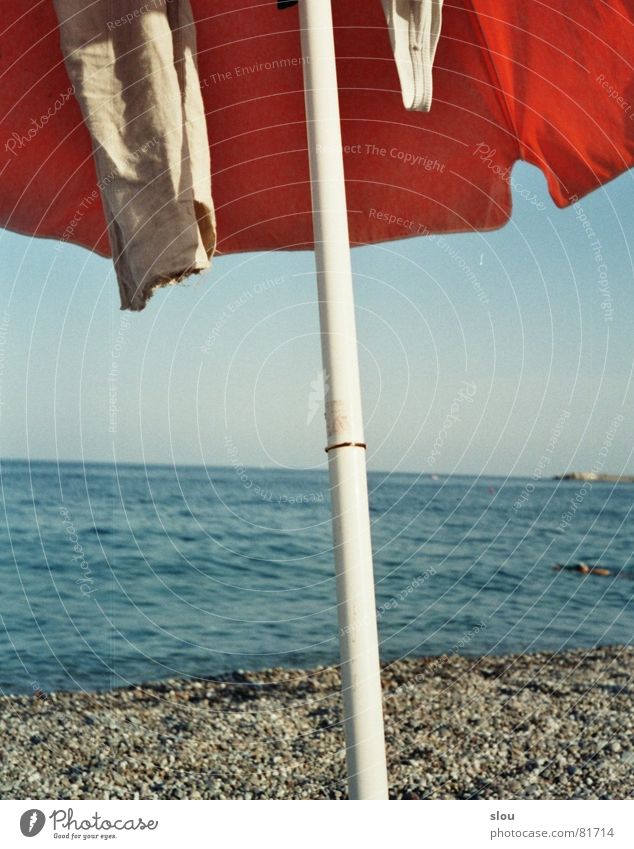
[(140, 300)]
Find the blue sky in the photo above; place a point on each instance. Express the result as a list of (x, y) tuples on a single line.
[(508, 352)]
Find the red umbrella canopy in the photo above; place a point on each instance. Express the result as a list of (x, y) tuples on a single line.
[(549, 82)]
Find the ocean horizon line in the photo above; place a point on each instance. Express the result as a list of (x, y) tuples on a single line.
[(138, 464)]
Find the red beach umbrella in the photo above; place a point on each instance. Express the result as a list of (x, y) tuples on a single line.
[(549, 82)]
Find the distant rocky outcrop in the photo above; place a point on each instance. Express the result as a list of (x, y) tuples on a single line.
[(594, 476)]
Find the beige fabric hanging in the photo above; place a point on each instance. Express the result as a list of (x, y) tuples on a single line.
[(134, 75)]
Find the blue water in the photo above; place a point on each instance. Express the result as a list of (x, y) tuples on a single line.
[(112, 575)]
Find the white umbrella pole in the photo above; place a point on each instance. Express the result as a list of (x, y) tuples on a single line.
[(363, 713)]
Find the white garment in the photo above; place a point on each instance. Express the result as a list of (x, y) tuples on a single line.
[(133, 68), (414, 27)]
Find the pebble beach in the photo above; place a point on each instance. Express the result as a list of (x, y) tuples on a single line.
[(530, 726)]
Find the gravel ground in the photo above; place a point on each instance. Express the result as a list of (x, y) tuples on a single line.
[(539, 726)]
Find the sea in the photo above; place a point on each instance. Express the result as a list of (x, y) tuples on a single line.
[(120, 574)]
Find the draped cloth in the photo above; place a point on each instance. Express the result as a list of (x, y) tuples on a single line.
[(133, 72)]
